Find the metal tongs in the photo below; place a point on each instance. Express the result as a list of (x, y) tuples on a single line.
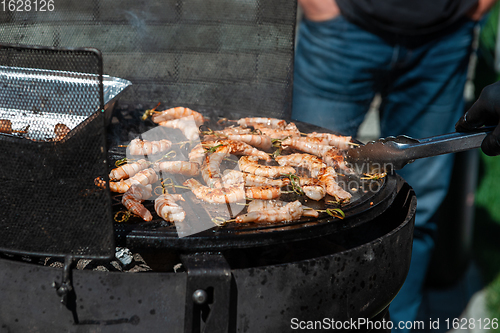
[(393, 153)]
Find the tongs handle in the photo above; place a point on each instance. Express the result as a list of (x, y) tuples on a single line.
[(444, 144), (394, 153)]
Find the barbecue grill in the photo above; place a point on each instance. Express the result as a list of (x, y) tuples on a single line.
[(226, 59)]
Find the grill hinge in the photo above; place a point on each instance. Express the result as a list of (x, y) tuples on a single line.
[(208, 293), (65, 288)]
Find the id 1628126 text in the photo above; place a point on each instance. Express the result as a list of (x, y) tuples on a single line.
[(27, 5)]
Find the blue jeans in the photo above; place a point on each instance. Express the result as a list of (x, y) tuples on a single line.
[(339, 68)]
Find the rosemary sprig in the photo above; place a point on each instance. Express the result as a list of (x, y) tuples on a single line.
[(123, 216), (220, 221), (183, 144), (122, 161), (295, 182), (212, 132), (212, 149), (374, 176), (171, 154), (169, 183), (150, 112), (335, 212), (276, 143), (276, 153)]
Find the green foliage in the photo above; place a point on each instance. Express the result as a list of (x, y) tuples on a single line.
[(487, 230), (487, 221), (488, 192), (493, 301), (488, 36), (485, 73)]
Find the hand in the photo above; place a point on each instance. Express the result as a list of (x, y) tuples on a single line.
[(485, 111), (480, 9), (319, 10)]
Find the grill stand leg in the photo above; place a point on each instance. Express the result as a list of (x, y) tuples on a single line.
[(208, 293), (65, 288)]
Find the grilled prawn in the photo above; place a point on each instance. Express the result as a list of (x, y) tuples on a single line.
[(256, 140), (231, 194), (259, 121), (338, 141), (231, 177), (263, 192), (314, 145), (197, 154), (186, 125), (234, 131), (178, 113), (308, 145), (335, 158), (264, 205), (167, 208), (177, 167), (332, 187), (144, 177), (133, 197), (310, 162), (290, 212), (145, 147), (210, 169), (312, 188), (239, 148), (251, 165), (128, 170), (290, 130)]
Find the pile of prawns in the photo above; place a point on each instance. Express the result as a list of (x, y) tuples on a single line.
[(261, 177)]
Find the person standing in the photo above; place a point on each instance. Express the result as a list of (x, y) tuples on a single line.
[(415, 54)]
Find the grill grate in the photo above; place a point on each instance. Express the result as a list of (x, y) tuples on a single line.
[(372, 199)]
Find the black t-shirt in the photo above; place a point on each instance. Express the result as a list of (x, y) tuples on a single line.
[(405, 17)]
